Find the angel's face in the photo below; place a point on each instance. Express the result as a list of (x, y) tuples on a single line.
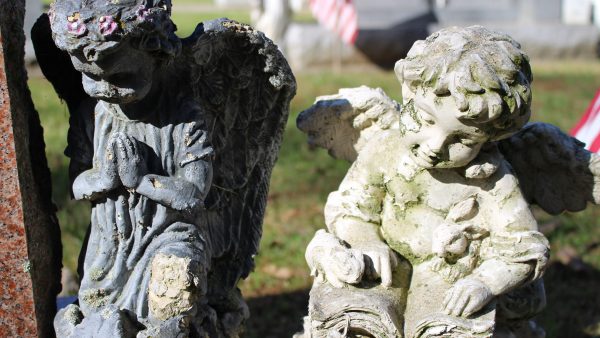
[(438, 139), (115, 71)]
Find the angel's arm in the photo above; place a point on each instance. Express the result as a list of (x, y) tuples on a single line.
[(92, 184), (90, 178), (515, 254), (518, 251), (353, 214), (187, 189), (353, 211)]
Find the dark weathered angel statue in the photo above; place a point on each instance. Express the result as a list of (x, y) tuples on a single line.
[(172, 141)]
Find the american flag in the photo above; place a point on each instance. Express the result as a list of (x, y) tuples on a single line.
[(338, 16), (588, 128)]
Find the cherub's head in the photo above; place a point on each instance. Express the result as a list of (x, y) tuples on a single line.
[(116, 44), (462, 87)]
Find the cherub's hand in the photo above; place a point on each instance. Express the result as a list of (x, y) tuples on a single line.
[(342, 266), (131, 165), (466, 297), (383, 258), (331, 260)]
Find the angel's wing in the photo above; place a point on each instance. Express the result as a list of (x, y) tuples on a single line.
[(56, 65), (344, 122), (554, 169), (57, 68), (244, 85)]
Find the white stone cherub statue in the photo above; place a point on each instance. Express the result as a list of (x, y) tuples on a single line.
[(430, 233)]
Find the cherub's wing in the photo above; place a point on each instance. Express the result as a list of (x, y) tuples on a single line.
[(344, 122), (554, 169), (244, 86)]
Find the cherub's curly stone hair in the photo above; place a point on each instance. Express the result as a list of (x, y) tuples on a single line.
[(98, 24), (486, 73)]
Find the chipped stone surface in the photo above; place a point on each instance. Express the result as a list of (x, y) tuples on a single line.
[(173, 286), (29, 235)]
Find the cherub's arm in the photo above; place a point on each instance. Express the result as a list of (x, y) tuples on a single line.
[(353, 214), (517, 252), (353, 211)]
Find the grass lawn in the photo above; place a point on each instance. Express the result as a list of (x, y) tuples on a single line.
[(186, 21), (303, 178)]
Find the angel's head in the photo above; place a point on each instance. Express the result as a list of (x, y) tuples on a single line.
[(116, 44), (462, 87)]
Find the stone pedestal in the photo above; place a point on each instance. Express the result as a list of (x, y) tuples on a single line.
[(30, 254)]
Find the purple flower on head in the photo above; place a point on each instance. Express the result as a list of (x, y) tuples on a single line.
[(142, 13), (107, 25), (75, 26)]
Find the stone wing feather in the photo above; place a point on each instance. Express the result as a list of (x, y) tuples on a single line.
[(245, 86), (554, 169), (343, 123)]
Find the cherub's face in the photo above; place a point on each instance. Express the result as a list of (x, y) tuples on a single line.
[(115, 72), (437, 139)]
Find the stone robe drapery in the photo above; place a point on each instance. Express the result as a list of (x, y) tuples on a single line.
[(128, 229)]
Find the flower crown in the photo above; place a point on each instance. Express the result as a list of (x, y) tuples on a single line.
[(78, 24)]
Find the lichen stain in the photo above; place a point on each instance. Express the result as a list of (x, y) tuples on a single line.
[(156, 183)]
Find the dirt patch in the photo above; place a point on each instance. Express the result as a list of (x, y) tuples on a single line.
[(277, 316)]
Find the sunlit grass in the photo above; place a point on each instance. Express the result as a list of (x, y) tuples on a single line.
[(186, 21)]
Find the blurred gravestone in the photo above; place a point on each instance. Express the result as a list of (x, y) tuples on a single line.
[(30, 251), (232, 3), (272, 17), (388, 28), (577, 12), (536, 24)]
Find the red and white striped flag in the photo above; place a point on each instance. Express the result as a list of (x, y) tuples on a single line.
[(338, 16), (588, 128)]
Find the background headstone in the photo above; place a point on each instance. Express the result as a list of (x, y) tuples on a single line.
[(577, 12), (387, 29), (30, 252)]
